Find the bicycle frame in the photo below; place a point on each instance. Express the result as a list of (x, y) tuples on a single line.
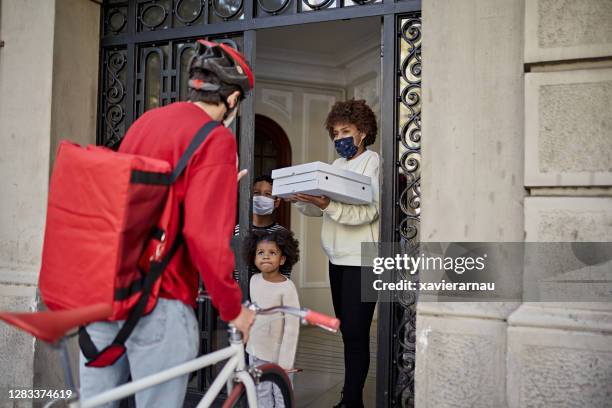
[(235, 368)]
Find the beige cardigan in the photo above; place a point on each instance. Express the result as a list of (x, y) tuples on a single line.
[(274, 338), (346, 226)]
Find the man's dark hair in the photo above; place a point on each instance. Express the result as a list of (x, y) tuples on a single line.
[(213, 97), (263, 177), (356, 113), (283, 238)]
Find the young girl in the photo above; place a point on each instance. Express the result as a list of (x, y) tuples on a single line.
[(272, 338), (352, 128)]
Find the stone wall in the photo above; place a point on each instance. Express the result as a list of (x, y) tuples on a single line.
[(48, 92), (25, 126), (472, 150), (517, 146), (559, 353)]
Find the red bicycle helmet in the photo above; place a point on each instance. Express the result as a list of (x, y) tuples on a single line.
[(225, 62)]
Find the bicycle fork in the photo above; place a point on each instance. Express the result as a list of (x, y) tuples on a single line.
[(241, 373)]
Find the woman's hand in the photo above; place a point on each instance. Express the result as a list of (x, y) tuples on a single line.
[(320, 201)]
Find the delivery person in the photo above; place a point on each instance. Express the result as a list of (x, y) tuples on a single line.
[(219, 78)]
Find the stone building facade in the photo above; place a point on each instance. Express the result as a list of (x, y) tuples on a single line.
[(517, 115)]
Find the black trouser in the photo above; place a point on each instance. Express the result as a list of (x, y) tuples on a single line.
[(355, 320)]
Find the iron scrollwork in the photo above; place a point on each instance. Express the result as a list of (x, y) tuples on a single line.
[(114, 97), (167, 14), (115, 21), (181, 6), (152, 16), (318, 4), (273, 6), (157, 15), (409, 193), (227, 9), (363, 2)]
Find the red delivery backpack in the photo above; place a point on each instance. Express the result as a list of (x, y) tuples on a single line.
[(113, 225)]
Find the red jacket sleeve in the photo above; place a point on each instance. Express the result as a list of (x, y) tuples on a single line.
[(210, 211)]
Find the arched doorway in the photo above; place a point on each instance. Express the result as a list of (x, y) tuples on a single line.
[(272, 151)]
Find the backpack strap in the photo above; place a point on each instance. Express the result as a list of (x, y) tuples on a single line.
[(197, 140), (117, 348)]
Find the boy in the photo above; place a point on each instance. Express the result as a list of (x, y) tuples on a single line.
[(264, 205)]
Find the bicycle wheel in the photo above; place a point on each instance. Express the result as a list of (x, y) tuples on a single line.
[(269, 373)]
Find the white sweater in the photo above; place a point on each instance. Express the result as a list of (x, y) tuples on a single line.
[(346, 226), (274, 338)]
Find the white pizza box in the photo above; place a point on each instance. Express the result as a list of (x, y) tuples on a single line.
[(322, 179)]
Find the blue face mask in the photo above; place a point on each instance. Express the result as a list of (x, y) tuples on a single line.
[(346, 147)]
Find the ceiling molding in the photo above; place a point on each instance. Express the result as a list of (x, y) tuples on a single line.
[(296, 56), (290, 71), (358, 48), (282, 84), (363, 65), (339, 68), (363, 45)]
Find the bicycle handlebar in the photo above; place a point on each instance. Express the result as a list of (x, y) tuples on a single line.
[(322, 320), (307, 315)]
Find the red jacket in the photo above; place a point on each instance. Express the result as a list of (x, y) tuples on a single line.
[(207, 191)]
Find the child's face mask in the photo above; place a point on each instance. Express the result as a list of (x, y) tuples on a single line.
[(346, 147), (263, 205)]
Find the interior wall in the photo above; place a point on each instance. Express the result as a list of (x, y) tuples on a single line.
[(301, 110), (363, 75)]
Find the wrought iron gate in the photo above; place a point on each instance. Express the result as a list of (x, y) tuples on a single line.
[(400, 200), (144, 48)]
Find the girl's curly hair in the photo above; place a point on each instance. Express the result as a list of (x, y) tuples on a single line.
[(283, 238), (354, 112)]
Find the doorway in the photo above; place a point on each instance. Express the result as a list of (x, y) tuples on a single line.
[(272, 151), (144, 49), (301, 72)]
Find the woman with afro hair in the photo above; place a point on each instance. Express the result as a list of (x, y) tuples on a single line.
[(352, 127)]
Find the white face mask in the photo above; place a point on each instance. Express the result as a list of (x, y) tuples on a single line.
[(263, 205)]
